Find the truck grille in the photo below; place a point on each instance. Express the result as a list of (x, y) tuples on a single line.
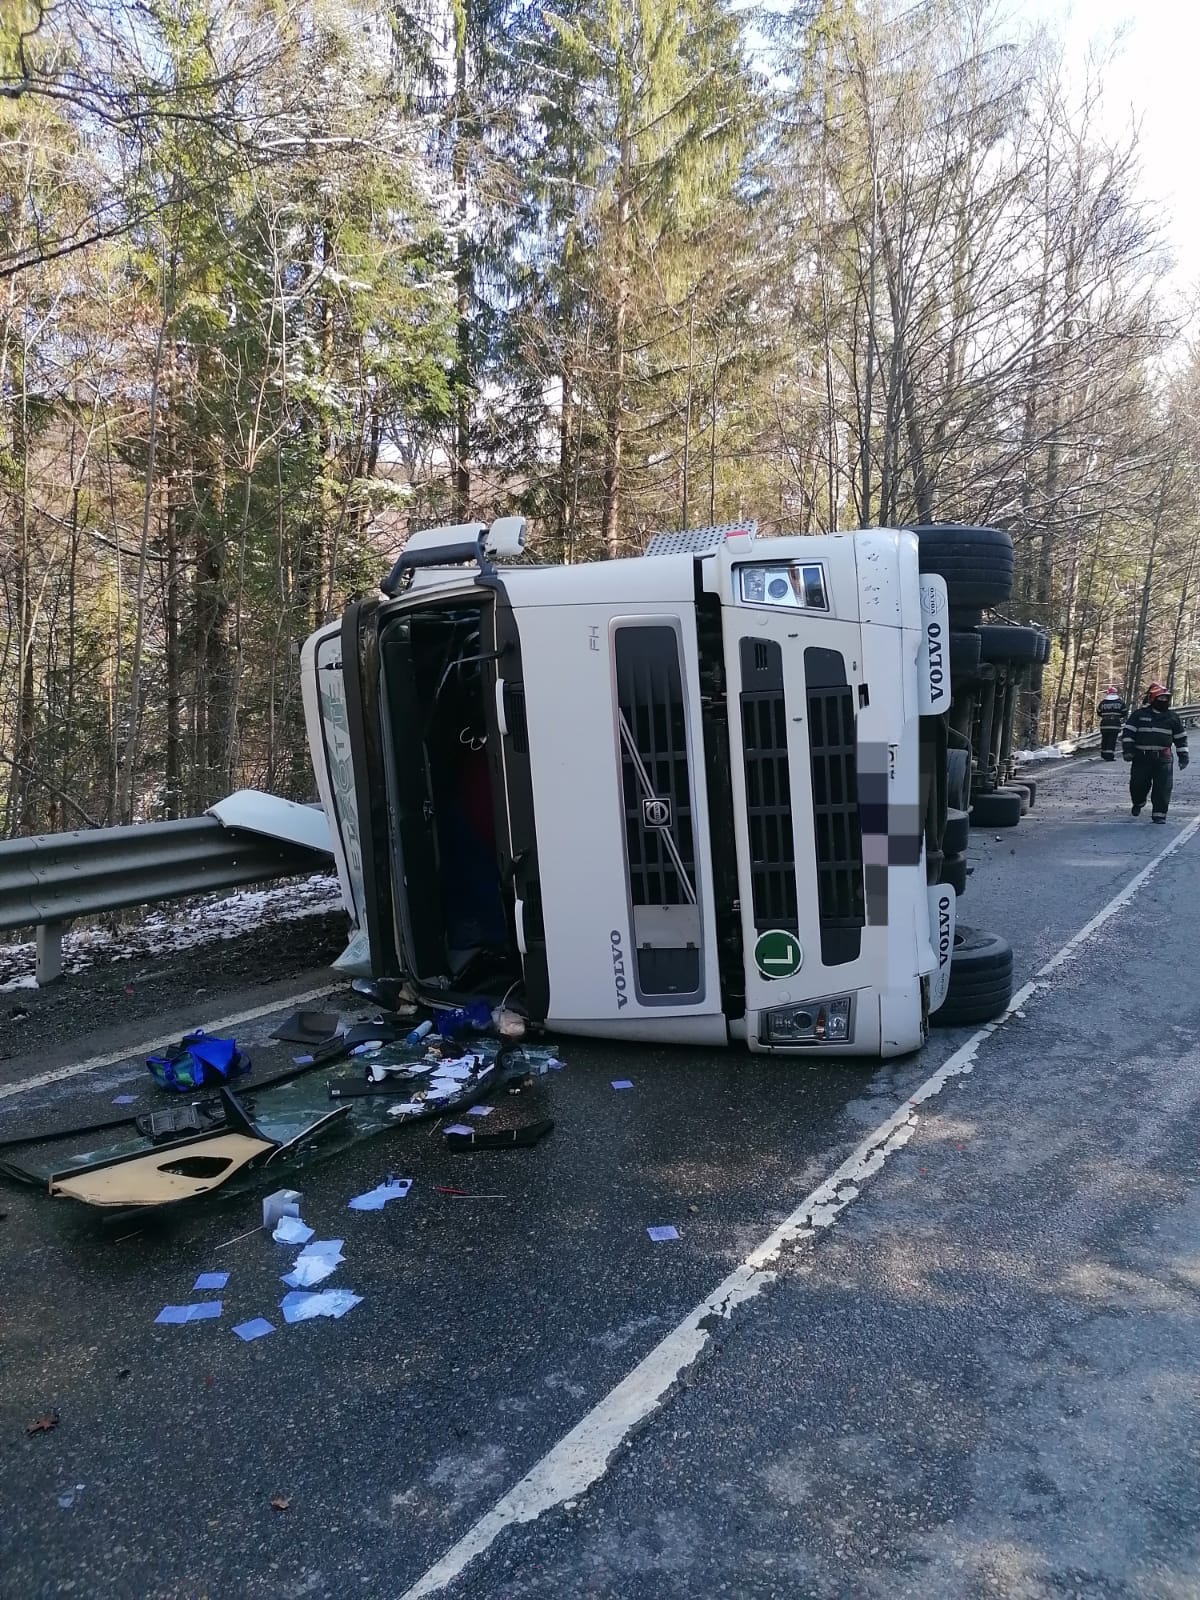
[(837, 831), (768, 786)]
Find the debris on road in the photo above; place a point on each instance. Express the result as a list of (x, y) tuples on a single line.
[(44, 1424), (480, 1111), (375, 1199), (663, 1234), (211, 1280), (460, 1137), (315, 1263), (300, 1306), (256, 1328), (280, 1502), (283, 1203), (205, 1311), (198, 1061), (622, 1083), (308, 1027), (124, 1099), (291, 1230)]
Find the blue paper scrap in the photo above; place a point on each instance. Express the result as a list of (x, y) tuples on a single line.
[(458, 1127), (203, 1312), (124, 1099), (211, 1280), (664, 1234), (375, 1199), (622, 1083), (314, 1263), (256, 1328), (300, 1306), (481, 1111)]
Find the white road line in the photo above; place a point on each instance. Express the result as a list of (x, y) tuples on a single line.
[(581, 1457), (93, 1063)]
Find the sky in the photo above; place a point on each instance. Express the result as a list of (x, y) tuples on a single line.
[(1154, 80)]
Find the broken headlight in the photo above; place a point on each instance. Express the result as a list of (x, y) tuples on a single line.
[(814, 1022)]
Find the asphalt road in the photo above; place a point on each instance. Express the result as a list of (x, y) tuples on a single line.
[(981, 1378)]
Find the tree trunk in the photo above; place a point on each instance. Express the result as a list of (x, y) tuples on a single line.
[(610, 524)]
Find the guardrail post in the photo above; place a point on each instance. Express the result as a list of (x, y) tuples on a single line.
[(49, 951)]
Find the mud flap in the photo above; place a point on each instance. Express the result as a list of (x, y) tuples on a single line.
[(943, 905)]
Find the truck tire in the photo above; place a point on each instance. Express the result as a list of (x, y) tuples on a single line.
[(954, 837), (999, 809), (1019, 788), (958, 778), (964, 656), (980, 985), (965, 619), (954, 872), (1045, 655), (1031, 785), (1000, 642), (977, 563)]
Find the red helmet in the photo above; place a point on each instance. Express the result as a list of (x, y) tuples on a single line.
[(1155, 689)]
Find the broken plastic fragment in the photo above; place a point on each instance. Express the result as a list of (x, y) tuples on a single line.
[(663, 1234), (291, 1230), (375, 1199), (256, 1328), (299, 1306)]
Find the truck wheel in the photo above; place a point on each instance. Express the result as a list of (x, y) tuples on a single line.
[(1045, 655), (965, 619), (1001, 642), (964, 655), (980, 980), (999, 809), (1031, 785), (1019, 788), (958, 778), (954, 872), (954, 836), (977, 563)]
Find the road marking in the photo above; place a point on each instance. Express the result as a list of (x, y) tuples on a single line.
[(93, 1063), (581, 1457)]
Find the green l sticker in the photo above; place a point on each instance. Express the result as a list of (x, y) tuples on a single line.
[(777, 954)]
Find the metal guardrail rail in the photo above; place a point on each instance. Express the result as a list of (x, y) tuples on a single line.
[(48, 881)]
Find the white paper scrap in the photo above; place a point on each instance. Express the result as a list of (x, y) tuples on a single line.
[(291, 1230), (375, 1199)]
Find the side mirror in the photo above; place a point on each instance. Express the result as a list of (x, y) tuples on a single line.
[(505, 539)]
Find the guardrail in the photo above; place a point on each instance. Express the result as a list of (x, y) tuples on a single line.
[(48, 881), (1189, 715)]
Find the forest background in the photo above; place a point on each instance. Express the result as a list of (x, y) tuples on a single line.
[(281, 282)]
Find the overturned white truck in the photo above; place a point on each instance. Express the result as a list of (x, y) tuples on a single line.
[(704, 795)]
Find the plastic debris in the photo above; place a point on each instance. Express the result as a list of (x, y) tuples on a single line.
[(300, 1306), (314, 1263), (291, 1230), (211, 1280), (460, 1127), (420, 1032), (204, 1312), (508, 1024), (124, 1099), (375, 1199), (256, 1328), (622, 1083), (480, 1111), (664, 1234), (283, 1203)]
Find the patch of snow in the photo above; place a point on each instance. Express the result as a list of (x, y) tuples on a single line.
[(177, 927)]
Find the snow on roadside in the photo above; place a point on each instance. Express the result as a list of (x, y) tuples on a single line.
[(178, 927)]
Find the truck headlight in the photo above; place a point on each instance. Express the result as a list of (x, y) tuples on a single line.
[(815, 1022), (796, 584)]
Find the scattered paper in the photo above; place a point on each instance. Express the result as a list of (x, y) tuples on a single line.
[(456, 1070), (375, 1199), (622, 1083), (290, 1230), (299, 1306), (406, 1108), (664, 1234), (124, 1099), (211, 1280), (481, 1111), (459, 1127), (197, 1313), (256, 1328), (314, 1263)]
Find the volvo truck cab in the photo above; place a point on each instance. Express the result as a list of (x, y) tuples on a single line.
[(694, 796)]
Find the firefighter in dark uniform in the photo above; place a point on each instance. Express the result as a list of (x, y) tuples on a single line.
[(1149, 740), (1111, 712)]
